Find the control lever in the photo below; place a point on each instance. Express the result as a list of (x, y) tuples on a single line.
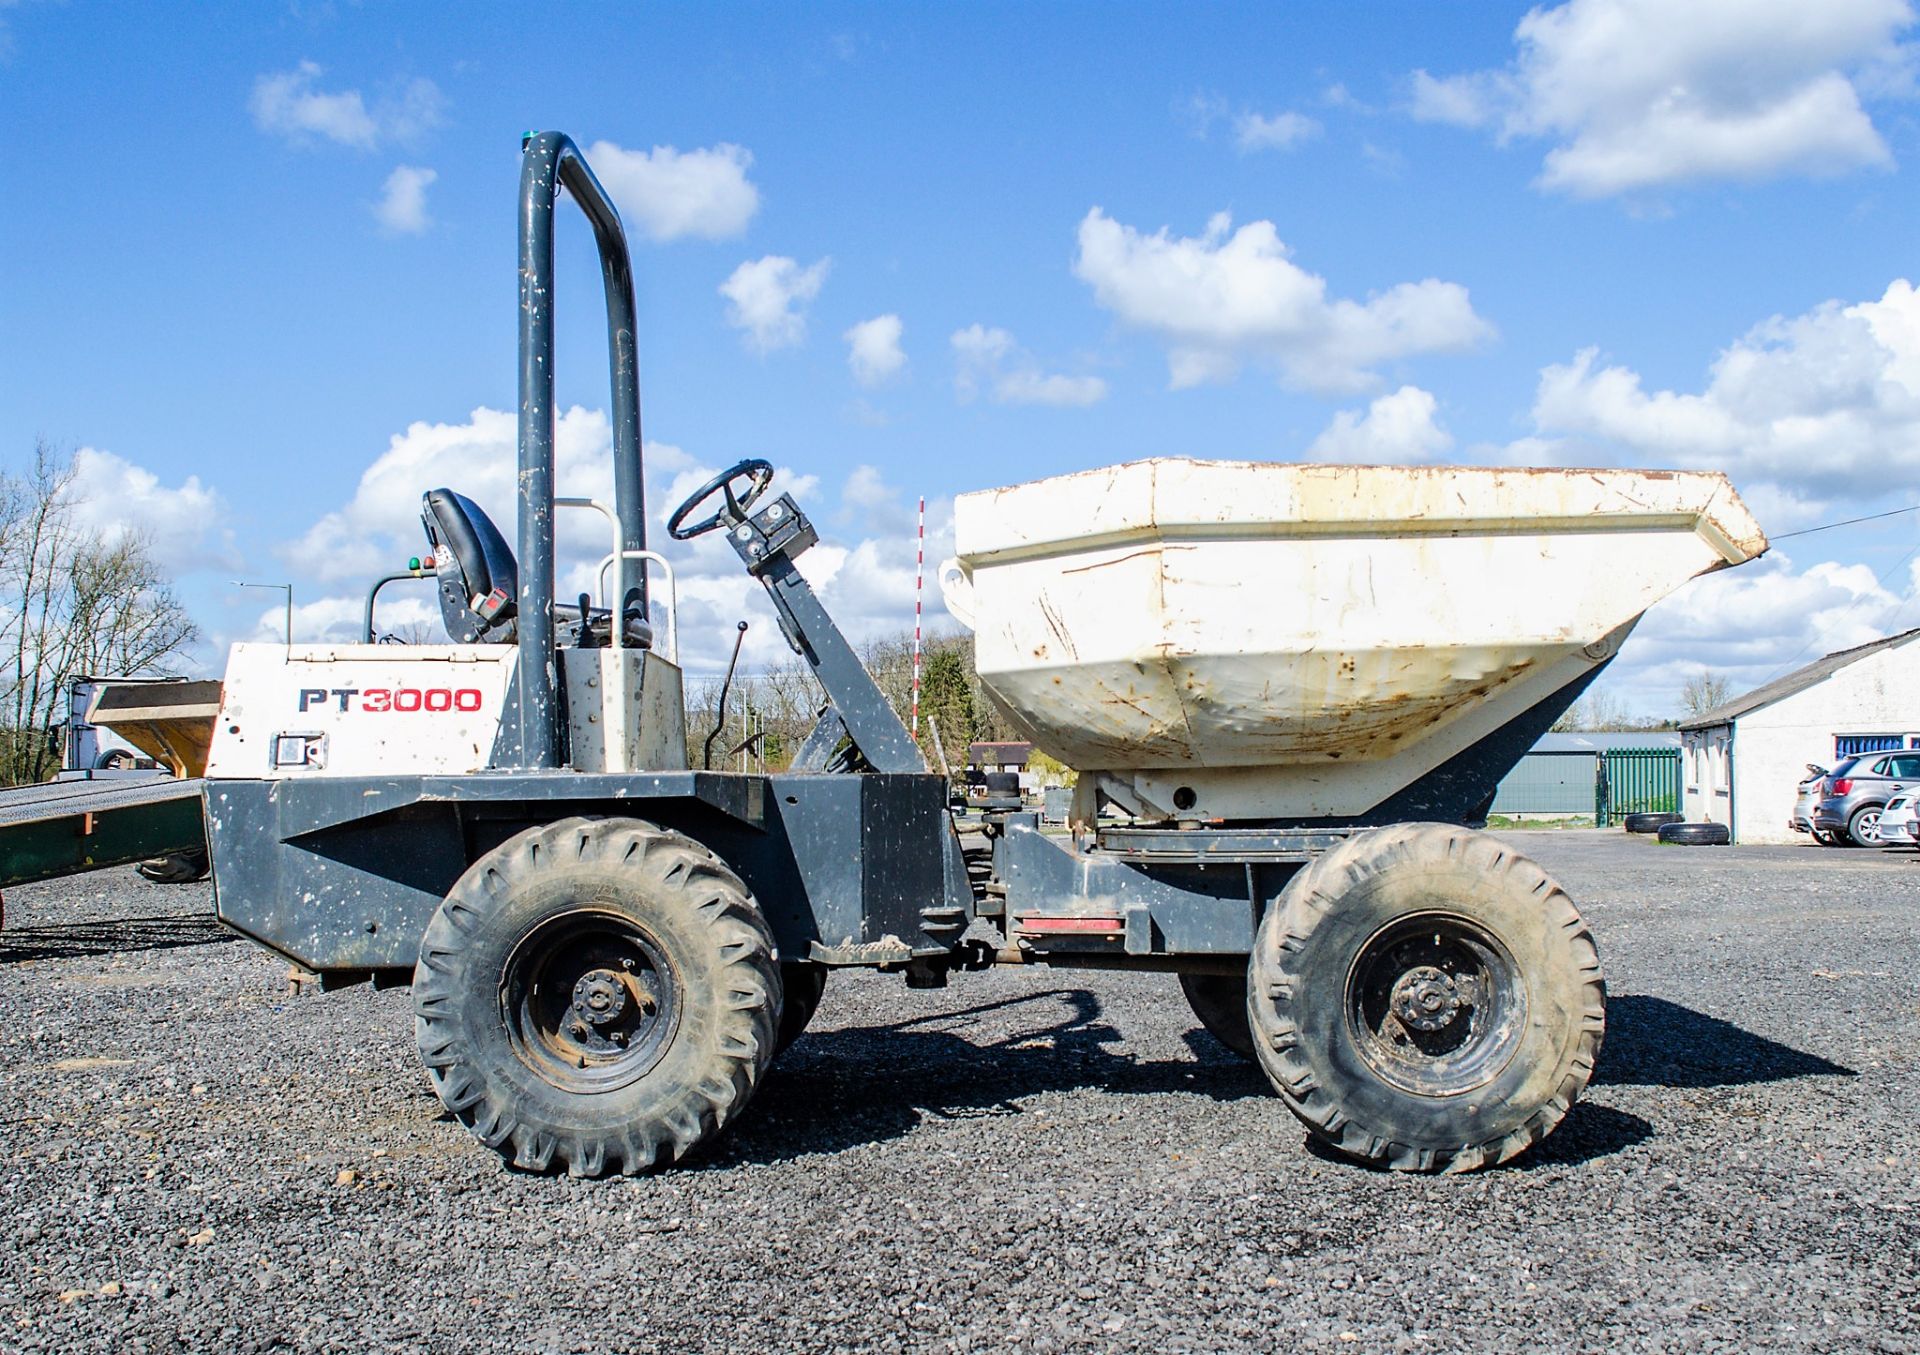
[(720, 720)]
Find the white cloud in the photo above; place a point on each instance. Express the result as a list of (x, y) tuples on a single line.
[(1337, 95), (1226, 296), (1199, 111), (1821, 404), (181, 524), (1460, 100), (1383, 160), (1814, 417), (1639, 94), (867, 488), (990, 359), (1281, 132), (1025, 386), (1759, 621), (289, 104), (870, 504), (670, 193), (1396, 428), (402, 208), (873, 350), (379, 528), (768, 299), (863, 568), (865, 414)]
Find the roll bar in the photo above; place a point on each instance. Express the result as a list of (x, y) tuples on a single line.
[(424, 570), (549, 161)]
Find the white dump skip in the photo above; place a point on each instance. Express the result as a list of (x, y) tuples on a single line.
[(1284, 639)]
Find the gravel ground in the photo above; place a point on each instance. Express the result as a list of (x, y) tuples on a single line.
[(195, 1159)]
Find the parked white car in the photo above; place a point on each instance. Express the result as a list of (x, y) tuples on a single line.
[(1899, 824)]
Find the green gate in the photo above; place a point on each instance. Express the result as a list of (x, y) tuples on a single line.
[(1640, 781)]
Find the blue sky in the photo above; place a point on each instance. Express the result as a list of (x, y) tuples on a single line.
[(261, 268)]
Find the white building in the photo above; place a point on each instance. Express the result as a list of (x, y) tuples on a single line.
[(1741, 763)]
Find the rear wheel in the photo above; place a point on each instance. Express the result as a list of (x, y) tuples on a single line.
[(801, 985), (1863, 829), (1220, 1002), (176, 868), (1425, 998), (596, 995)]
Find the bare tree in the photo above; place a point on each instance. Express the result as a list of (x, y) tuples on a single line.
[(1600, 711), (769, 712), (776, 707), (411, 633), (1704, 691), (73, 601)]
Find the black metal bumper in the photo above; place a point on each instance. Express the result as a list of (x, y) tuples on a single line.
[(343, 873)]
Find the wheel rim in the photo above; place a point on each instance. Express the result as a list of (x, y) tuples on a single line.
[(590, 1001), (1867, 826), (1435, 1004)]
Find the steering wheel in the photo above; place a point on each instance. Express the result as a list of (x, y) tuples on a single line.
[(736, 509)]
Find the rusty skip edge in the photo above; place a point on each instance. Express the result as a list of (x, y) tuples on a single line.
[(1291, 499)]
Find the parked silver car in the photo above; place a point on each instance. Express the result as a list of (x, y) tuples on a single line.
[(1857, 790), (1811, 788)]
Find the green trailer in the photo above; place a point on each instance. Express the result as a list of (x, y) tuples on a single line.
[(64, 827)]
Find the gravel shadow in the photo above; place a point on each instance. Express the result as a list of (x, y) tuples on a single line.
[(845, 1088), (840, 1089), (1588, 1133), (1652, 1042), (112, 936)]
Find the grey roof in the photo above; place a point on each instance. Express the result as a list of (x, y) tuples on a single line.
[(1798, 680), (1600, 741)]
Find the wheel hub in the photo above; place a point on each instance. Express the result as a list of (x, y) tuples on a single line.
[(1427, 998), (1435, 1004), (600, 996), (589, 1000)]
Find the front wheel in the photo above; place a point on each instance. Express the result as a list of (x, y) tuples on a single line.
[(1425, 998), (596, 995)]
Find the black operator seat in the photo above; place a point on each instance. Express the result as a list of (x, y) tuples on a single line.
[(480, 584)]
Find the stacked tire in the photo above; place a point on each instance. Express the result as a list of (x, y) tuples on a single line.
[(1649, 823), (1695, 835)]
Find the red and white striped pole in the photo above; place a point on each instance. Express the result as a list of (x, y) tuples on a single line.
[(919, 572)]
